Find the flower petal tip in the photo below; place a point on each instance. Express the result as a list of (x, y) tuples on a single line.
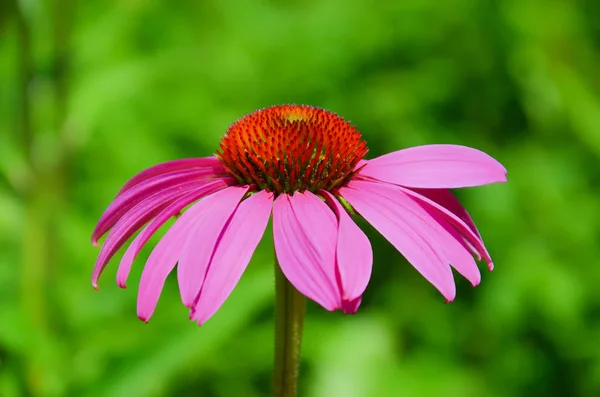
[(195, 318), (96, 236), (143, 318), (449, 298), (190, 303), (476, 280), (490, 266), (121, 279), (351, 306)]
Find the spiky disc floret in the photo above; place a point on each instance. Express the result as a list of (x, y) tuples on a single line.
[(292, 148)]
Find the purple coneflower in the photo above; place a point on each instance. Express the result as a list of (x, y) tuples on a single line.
[(305, 166)]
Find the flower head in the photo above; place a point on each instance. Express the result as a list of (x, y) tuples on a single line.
[(305, 166), (289, 149)]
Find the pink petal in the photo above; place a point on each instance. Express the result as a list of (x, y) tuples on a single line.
[(162, 260), (353, 252), (304, 231), (360, 164), (232, 255), (200, 245), (467, 234), (436, 166), (351, 307), (452, 244), (173, 209), (406, 225), (132, 221), (211, 164), (447, 200), (129, 255), (139, 192)]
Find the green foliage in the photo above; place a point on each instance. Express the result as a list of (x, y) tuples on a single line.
[(92, 92)]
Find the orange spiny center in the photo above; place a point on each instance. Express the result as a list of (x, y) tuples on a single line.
[(292, 148)]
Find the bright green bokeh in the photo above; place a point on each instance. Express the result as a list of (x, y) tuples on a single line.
[(92, 92)]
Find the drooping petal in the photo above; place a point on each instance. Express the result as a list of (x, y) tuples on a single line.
[(129, 255), (210, 164), (139, 192), (465, 231), (406, 225), (446, 199), (351, 307), (354, 255), (232, 255), (132, 221), (457, 252), (449, 240), (304, 232), (162, 260), (202, 240), (436, 166), (452, 244), (173, 209)]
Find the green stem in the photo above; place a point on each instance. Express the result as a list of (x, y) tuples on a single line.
[(290, 306)]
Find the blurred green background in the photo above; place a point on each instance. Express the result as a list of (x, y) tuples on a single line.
[(93, 92)]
